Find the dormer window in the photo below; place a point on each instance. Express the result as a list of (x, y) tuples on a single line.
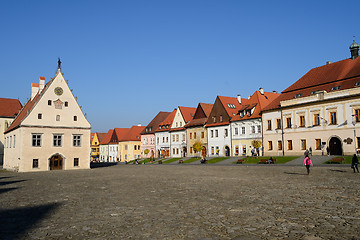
[(214, 119), (357, 84), (298, 95), (335, 88), (231, 105), (314, 92), (221, 118)]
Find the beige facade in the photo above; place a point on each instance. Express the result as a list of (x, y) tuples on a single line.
[(323, 121), (129, 150), (5, 122), (51, 132), (193, 135)]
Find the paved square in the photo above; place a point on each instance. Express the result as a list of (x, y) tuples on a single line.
[(181, 202)]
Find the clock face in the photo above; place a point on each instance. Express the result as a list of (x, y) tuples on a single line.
[(58, 91)]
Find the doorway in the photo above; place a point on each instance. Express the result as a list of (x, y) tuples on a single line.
[(203, 151), (227, 151), (335, 146), (56, 162)]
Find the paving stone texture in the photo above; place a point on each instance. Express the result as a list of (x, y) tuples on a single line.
[(182, 202)]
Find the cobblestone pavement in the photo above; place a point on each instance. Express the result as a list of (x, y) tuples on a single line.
[(181, 202)]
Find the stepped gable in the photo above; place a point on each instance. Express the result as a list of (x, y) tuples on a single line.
[(167, 122), (9, 107), (345, 73), (257, 101), (154, 124)]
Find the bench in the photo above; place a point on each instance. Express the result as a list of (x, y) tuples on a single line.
[(337, 160), (240, 161), (266, 161)]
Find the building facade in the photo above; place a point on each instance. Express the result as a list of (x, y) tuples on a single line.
[(50, 133)]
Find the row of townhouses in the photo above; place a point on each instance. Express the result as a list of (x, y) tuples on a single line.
[(320, 111)]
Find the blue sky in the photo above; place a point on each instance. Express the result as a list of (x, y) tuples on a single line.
[(128, 60)]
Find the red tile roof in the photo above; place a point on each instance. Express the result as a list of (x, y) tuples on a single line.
[(100, 136), (154, 124), (257, 100), (106, 140), (345, 73), (187, 113), (167, 122), (9, 107), (232, 100), (201, 114), (133, 134)]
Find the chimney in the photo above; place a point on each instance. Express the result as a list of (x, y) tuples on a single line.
[(328, 62), (239, 98), (34, 90), (139, 125), (261, 90), (41, 83)]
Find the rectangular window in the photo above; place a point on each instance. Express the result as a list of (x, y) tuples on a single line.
[(236, 131), (202, 135), (316, 119), (57, 117), (57, 140), (268, 124), (221, 118), (357, 115), (288, 122), (252, 129), (134, 147), (49, 102), (358, 142), (333, 120), (214, 119), (183, 137), (279, 145), (301, 121), (216, 133), (177, 137), (177, 151), (212, 150), (259, 128), (39, 116), (35, 163), (76, 162), (194, 135), (14, 142), (290, 146), (66, 104), (191, 150), (303, 144), (36, 140), (278, 123), (10, 141), (163, 139), (126, 147), (173, 150), (190, 135), (76, 140), (226, 133), (173, 138), (167, 139), (75, 118), (243, 130), (270, 146), (318, 144), (217, 150), (212, 133)]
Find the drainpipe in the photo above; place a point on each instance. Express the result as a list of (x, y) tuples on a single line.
[(282, 132)]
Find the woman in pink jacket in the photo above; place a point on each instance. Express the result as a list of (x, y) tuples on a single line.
[(307, 163)]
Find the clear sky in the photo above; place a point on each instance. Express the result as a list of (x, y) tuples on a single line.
[(128, 60)]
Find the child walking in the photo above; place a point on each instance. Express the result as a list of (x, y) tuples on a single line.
[(307, 162)]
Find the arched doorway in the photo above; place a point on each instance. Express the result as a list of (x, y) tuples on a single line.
[(56, 162), (203, 151), (227, 151), (335, 146)]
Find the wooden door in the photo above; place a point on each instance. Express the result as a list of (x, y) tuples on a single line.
[(56, 162)]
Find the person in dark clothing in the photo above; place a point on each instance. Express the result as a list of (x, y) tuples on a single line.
[(354, 163)]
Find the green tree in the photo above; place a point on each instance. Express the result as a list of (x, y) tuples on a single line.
[(256, 143), (146, 151), (197, 146)]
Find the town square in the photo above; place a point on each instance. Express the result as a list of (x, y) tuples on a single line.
[(179, 120)]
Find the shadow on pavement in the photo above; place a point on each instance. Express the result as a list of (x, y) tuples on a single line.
[(333, 170), (4, 177), (17, 222), (102, 164), (10, 182), (294, 173), (4, 190)]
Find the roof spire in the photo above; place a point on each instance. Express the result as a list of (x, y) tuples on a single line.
[(59, 64), (354, 49)]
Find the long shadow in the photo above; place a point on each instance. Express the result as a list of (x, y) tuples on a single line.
[(293, 173), (4, 177), (4, 190), (16, 222), (102, 164), (11, 182), (333, 170)]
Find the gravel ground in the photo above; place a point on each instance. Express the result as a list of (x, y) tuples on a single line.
[(181, 202)]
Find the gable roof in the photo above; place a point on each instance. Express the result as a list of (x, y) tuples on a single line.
[(187, 113), (225, 101), (201, 114), (257, 101), (167, 122), (100, 136), (345, 73), (154, 124), (106, 140), (9, 107), (133, 134)]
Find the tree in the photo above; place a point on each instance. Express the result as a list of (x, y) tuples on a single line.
[(197, 146), (256, 143), (146, 151)]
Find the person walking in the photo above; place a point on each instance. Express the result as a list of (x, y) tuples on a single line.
[(307, 162), (354, 163)]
